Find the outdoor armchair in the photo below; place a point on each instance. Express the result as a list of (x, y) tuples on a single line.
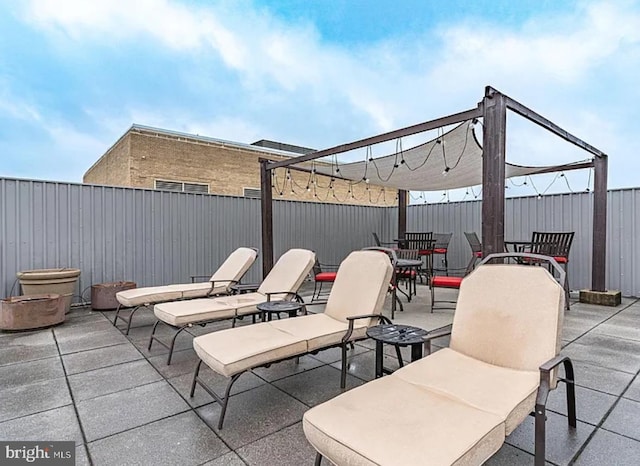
[(456, 406), (355, 303), (229, 273), (282, 283)]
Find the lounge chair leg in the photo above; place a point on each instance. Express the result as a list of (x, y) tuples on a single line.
[(115, 318), (343, 371), (540, 435), (318, 460), (571, 392), (153, 331), (222, 401), (195, 378), (173, 342)]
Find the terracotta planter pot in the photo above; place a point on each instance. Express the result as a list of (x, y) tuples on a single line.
[(103, 295), (46, 281), (29, 312)]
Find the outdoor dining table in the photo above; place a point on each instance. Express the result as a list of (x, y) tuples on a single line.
[(408, 265)]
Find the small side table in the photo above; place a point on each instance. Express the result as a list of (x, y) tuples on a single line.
[(268, 308), (398, 336)]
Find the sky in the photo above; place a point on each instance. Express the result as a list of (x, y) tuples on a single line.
[(76, 74)]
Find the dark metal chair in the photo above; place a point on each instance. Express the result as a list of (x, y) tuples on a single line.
[(441, 247), (476, 248), (322, 273), (408, 274), (382, 244), (423, 242), (558, 246)]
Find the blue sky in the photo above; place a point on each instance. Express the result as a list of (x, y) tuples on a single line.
[(74, 75)]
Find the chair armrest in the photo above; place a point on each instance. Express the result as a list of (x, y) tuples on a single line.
[(295, 295), (213, 284), (545, 377), (352, 320), (245, 287), (438, 333), (198, 277)]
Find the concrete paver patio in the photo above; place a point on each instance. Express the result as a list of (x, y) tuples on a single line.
[(85, 381)]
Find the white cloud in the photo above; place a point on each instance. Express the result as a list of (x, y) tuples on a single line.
[(547, 63)]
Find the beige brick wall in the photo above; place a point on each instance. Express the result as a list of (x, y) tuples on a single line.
[(113, 167), (226, 168)]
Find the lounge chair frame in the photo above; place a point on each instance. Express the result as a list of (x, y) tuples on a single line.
[(127, 319), (223, 400), (545, 369), (170, 346)]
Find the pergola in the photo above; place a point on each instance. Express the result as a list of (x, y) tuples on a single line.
[(475, 165)]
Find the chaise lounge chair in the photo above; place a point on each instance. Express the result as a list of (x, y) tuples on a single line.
[(228, 274), (282, 283), (355, 303), (456, 406)]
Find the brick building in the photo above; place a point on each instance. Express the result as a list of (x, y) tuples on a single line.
[(155, 158)]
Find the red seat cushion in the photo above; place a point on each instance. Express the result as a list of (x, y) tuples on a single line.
[(406, 273), (446, 282), (478, 254), (424, 252), (326, 276), (440, 251), (561, 259)]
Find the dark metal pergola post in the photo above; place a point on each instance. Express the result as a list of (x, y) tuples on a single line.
[(493, 171), (599, 243), (402, 213), (266, 202)]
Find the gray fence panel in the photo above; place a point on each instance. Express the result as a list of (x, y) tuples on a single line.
[(562, 212), (155, 237)]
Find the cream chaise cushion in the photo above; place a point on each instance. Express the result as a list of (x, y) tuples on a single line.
[(389, 421), (150, 294), (287, 275), (235, 350), (509, 316), (508, 393), (233, 268), (319, 330), (360, 286)]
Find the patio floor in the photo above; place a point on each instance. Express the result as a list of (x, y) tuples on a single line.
[(85, 381)]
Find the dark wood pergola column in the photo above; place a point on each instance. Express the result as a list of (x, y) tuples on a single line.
[(402, 213), (599, 244), (266, 201), (493, 171)]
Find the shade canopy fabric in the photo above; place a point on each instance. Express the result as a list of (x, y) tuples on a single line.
[(452, 160)]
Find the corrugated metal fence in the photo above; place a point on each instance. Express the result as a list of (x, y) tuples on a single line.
[(154, 237)]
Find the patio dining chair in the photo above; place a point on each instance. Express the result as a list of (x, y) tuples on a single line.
[(476, 248), (322, 274), (558, 246), (228, 274), (408, 275), (424, 243), (441, 247), (457, 405), (384, 244)]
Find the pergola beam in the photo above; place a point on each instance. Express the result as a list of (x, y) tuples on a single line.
[(391, 135), (538, 119)]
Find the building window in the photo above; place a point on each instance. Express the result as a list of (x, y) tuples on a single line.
[(254, 193), (179, 186)]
